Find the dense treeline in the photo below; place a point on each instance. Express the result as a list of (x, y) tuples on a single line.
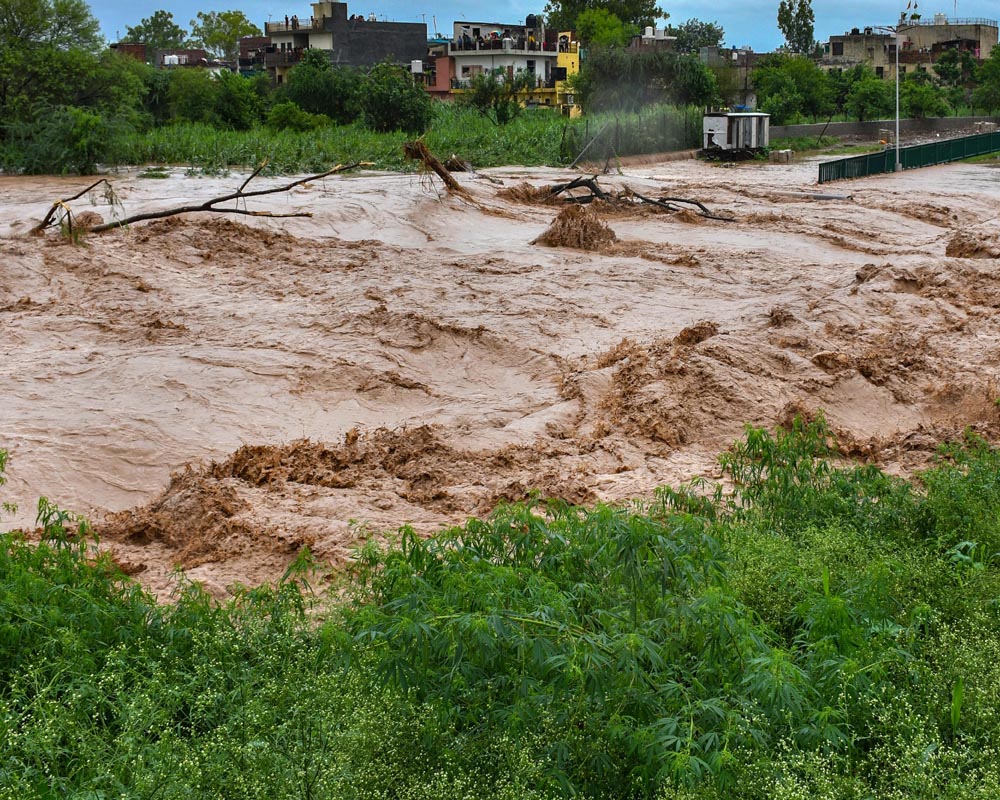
[(793, 88), (68, 104), (825, 630)]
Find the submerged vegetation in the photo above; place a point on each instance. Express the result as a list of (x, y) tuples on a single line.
[(823, 630)]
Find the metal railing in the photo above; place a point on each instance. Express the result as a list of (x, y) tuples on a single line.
[(516, 45), (930, 21), (912, 157)]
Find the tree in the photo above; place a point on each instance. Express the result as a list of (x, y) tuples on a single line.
[(392, 100), (695, 34), (193, 96), (48, 53), (870, 98), (494, 94), (318, 87), (219, 32), (563, 14), (616, 79), (598, 27), (796, 22), (920, 97), (158, 32), (788, 85), (986, 95), (59, 24)]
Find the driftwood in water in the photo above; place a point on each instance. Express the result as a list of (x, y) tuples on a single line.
[(626, 196), (418, 151), (50, 217), (208, 205)]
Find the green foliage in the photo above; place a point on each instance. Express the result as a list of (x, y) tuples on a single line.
[(239, 101), (64, 140), (823, 630), (319, 88), (157, 32), (563, 14), (598, 27), (219, 32), (615, 79), (193, 96), (289, 117), (494, 94), (796, 21), (694, 34), (920, 98), (48, 57), (789, 86), (393, 101), (986, 95), (870, 98)]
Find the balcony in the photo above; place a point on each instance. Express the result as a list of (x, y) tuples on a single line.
[(466, 83), (518, 45), (293, 26), (283, 58)]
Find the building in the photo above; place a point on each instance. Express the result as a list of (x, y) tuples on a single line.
[(479, 48), (733, 69), (921, 43), (652, 38), (351, 41)]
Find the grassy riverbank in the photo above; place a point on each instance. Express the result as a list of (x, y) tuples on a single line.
[(825, 631)]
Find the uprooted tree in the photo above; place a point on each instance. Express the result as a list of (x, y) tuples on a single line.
[(61, 214)]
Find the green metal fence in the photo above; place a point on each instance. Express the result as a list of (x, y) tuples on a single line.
[(912, 157)]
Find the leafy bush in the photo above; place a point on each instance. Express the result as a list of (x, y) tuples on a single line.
[(289, 117), (393, 101), (318, 87), (822, 630), (62, 140)]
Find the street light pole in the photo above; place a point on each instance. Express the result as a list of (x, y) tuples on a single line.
[(895, 31), (899, 165)]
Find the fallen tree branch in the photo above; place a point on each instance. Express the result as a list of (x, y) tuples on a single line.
[(626, 195), (667, 203), (208, 205), (48, 219), (239, 194), (418, 151)]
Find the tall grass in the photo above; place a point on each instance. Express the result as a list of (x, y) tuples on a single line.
[(822, 630), (536, 137)]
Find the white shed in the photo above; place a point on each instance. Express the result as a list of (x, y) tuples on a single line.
[(736, 130)]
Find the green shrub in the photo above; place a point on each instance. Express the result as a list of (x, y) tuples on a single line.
[(393, 101), (289, 117), (62, 140)]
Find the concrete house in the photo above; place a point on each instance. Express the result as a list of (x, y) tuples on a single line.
[(478, 48), (349, 40), (921, 43)]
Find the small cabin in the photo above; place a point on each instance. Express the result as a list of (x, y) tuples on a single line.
[(736, 130)]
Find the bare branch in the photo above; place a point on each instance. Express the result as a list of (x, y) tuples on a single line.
[(239, 194), (62, 204)]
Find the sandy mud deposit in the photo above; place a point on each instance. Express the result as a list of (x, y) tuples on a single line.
[(218, 392)]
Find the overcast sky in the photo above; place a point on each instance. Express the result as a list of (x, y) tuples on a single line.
[(750, 22)]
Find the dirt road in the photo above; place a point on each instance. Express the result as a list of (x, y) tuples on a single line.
[(409, 357)]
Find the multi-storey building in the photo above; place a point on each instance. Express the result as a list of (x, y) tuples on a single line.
[(349, 40), (478, 48), (921, 43)]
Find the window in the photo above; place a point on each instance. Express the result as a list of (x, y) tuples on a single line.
[(902, 70), (838, 48), (879, 72)]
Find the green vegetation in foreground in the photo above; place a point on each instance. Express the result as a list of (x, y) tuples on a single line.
[(826, 631), (535, 137)]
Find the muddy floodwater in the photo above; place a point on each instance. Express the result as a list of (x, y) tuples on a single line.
[(217, 391)]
